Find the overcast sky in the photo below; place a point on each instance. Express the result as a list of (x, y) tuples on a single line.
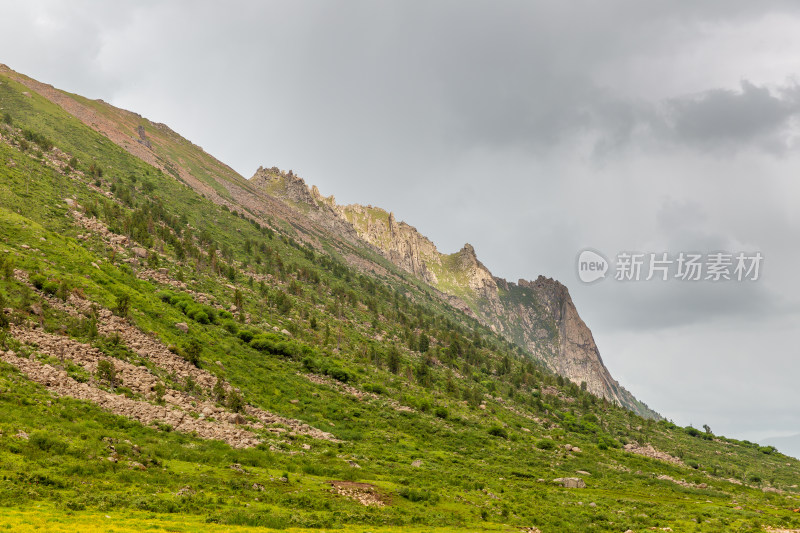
[(529, 129)]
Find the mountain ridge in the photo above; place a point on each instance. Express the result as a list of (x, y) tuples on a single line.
[(463, 281), (538, 316)]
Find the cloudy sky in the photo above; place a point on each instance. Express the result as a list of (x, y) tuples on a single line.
[(532, 130)]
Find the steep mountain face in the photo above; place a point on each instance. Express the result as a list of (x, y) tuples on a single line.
[(538, 316)]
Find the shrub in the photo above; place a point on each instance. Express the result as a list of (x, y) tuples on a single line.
[(201, 317), (160, 390), (219, 391), (37, 138), (38, 281), (393, 359), (192, 351), (605, 442), (339, 374), (246, 335), (235, 402), (106, 372), (424, 343), (50, 287), (498, 431), (546, 444), (310, 364), (63, 291), (45, 442), (374, 388), (418, 495), (123, 304)]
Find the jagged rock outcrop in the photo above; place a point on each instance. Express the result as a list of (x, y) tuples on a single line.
[(284, 185), (402, 244), (536, 315)]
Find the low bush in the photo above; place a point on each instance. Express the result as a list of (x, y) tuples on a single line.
[(48, 443), (418, 495), (545, 444), (498, 431)]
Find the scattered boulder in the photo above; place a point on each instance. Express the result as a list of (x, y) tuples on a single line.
[(417, 463), (139, 252), (570, 482), (649, 451), (185, 491), (363, 493), (182, 326)]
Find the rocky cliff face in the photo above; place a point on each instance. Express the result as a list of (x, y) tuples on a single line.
[(536, 315), (402, 244)]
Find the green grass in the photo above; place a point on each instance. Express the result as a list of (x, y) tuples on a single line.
[(478, 407)]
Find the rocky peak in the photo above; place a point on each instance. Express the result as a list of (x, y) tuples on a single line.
[(537, 315), (286, 185)]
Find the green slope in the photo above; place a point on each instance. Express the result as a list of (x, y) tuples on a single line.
[(468, 435)]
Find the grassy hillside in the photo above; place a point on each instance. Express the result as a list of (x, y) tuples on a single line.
[(139, 317)]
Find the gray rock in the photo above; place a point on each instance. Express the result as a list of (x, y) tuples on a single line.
[(570, 482)]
